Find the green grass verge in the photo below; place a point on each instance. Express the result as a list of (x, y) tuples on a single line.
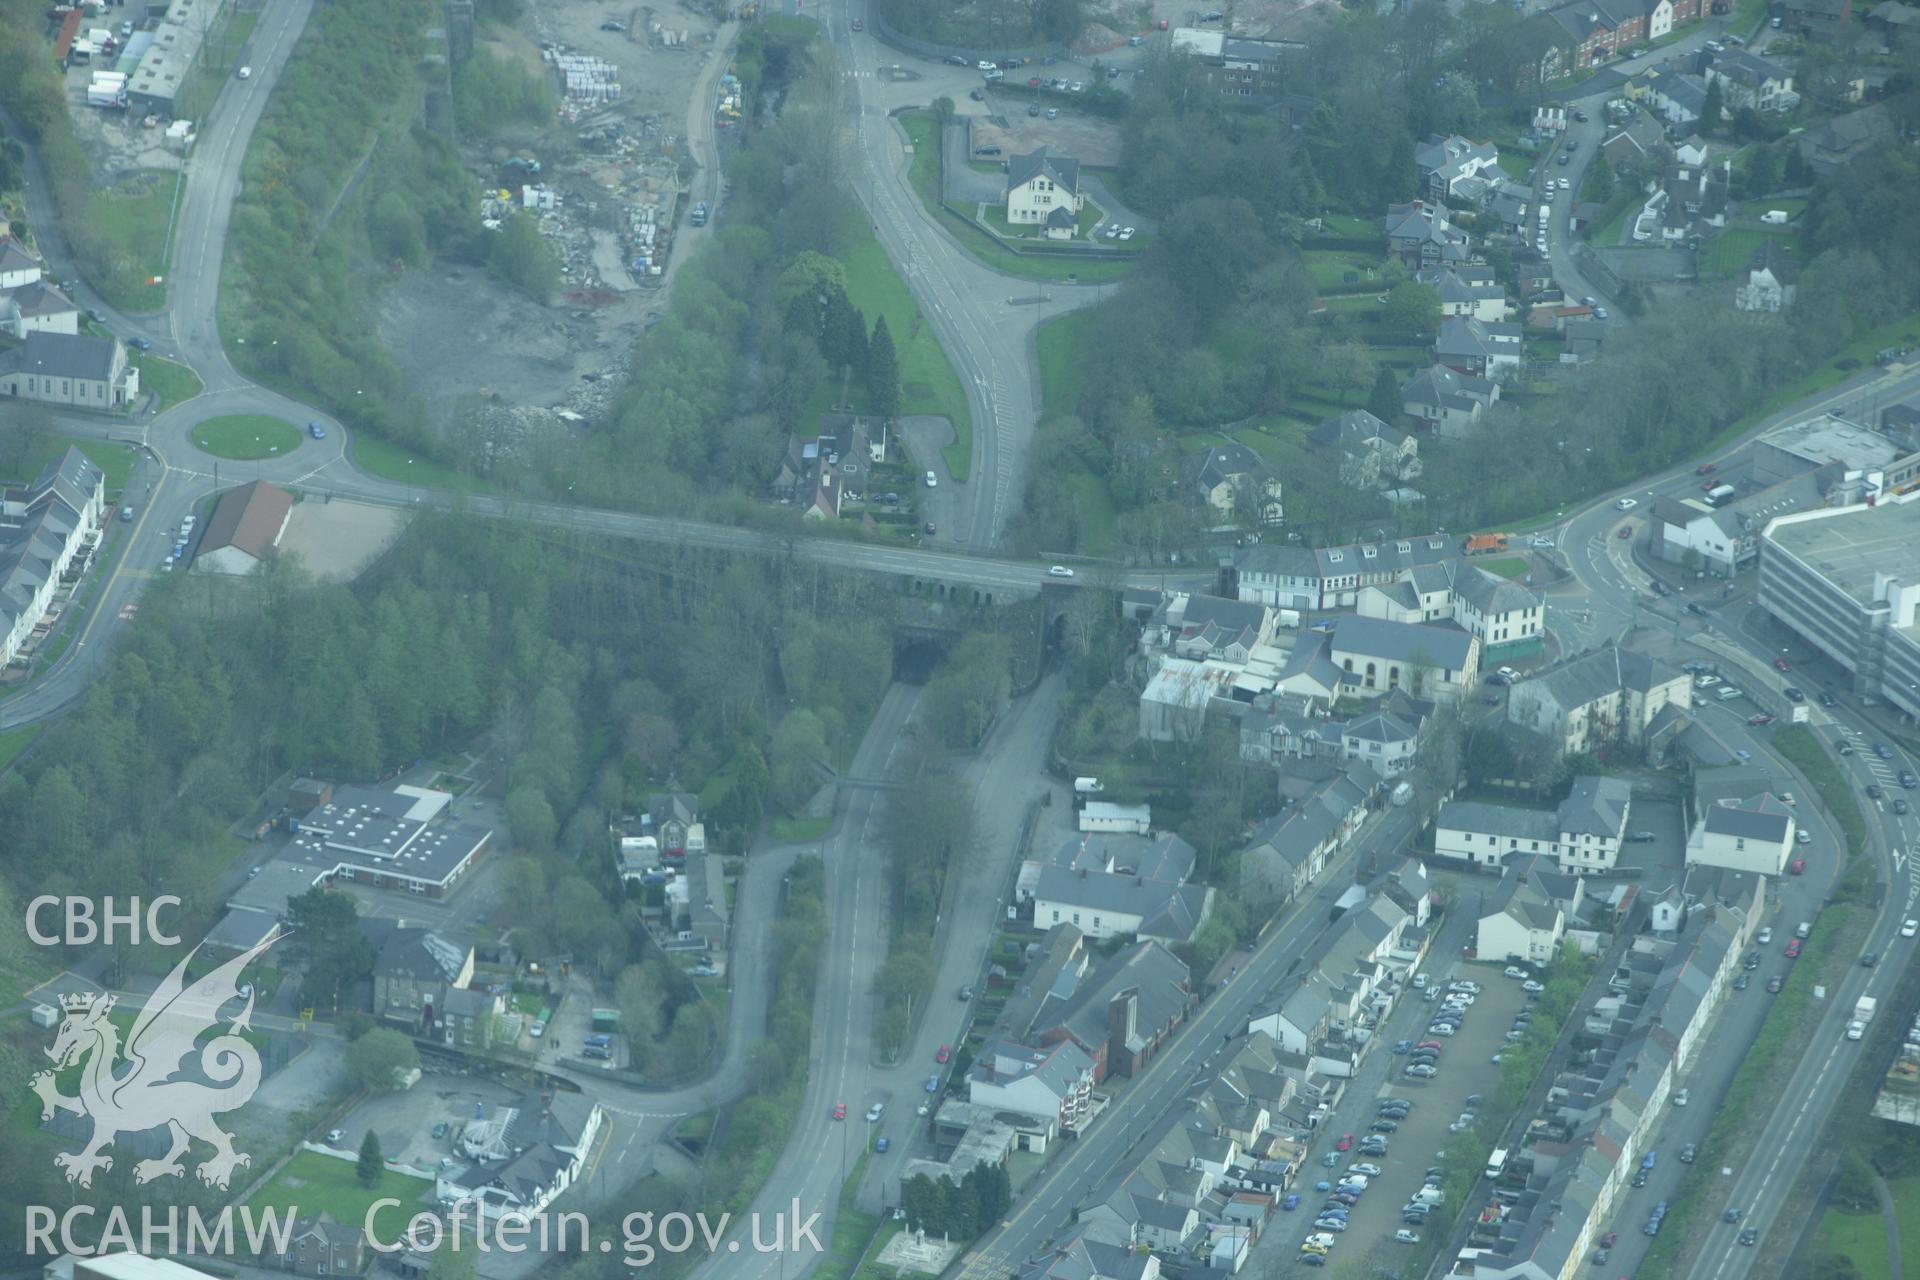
[(1779, 1033), (247, 437), (928, 383), (1329, 267), (173, 383), (313, 1183), (924, 174), (1058, 344), (14, 741), (135, 215), (853, 1230), (1797, 743), (800, 828), (1506, 566), (390, 461)]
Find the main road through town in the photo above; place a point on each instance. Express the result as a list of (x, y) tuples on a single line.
[(1705, 618)]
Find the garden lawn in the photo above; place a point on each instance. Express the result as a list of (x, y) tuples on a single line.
[(313, 1183), (800, 828), (247, 437), (136, 216), (1058, 344), (928, 384), (1329, 267), (114, 460), (173, 383), (924, 173), (1727, 254)]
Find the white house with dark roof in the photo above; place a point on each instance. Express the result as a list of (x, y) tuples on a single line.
[(28, 302), (1428, 661), (1606, 695), (1053, 1083), (64, 368), (1771, 280), (1583, 835), (1467, 289), (17, 266), (524, 1157), (1202, 628), (1371, 453), (1117, 886), (1749, 80), (1290, 850), (1226, 476), (1317, 578), (1039, 185), (1447, 400), (1507, 618), (1526, 917), (1477, 348), (1754, 835)]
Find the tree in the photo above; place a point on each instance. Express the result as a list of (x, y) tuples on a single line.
[(1762, 171), (1713, 109), (370, 1167), (1601, 180), (942, 110), (324, 935), (1412, 307), (380, 1060), (521, 256), (1347, 366), (1384, 401), (883, 371)]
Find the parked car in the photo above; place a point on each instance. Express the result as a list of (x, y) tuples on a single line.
[(1515, 971), (1774, 984)]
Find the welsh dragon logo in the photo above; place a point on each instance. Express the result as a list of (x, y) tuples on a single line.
[(147, 1090)]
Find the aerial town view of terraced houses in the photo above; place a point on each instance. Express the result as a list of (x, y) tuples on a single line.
[(962, 639)]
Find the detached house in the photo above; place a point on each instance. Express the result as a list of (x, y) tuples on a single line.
[(1044, 190), (1748, 80), (1117, 886), (1371, 453), (1224, 476), (524, 1157), (1609, 694), (1447, 400), (1583, 835), (1421, 235), (420, 982), (1478, 349), (1444, 161), (1053, 1083), (1827, 147), (1755, 835), (1521, 922)]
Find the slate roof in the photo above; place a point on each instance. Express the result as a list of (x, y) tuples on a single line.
[(14, 258), (1447, 389), (1771, 257), (1481, 339), (1592, 676), (1762, 818), (1220, 463), (1063, 170), (1747, 68), (420, 954), (1062, 216), (1445, 647), (1492, 594), (62, 355), (1352, 431), (40, 299), (1500, 820), (1159, 976), (1459, 284)]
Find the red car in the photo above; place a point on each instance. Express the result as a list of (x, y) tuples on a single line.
[(1345, 1143), (1706, 468), (1626, 531), (1033, 82), (1781, 664), (1708, 486), (1762, 718), (946, 1051), (1429, 1044), (1608, 1240), (1793, 948), (1798, 867), (839, 1111)]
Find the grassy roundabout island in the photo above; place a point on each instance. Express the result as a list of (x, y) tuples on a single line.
[(246, 437)]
